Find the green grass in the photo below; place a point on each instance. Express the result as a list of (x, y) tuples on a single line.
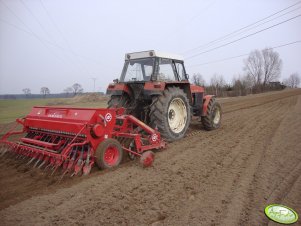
[(12, 109)]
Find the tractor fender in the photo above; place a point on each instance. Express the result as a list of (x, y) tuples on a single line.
[(154, 88), (206, 101), (118, 89)]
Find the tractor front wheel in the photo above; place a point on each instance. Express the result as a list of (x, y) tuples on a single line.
[(109, 154)]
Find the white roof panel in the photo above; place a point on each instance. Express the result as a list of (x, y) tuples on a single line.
[(152, 53)]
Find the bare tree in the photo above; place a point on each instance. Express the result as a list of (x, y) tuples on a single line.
[(262, 67), (217, 82), (254, 67), (26, 91), (45, 91), (68, 90), (247, 81), (77, 88), (293, 81), (198, 80), (272, 65), (238, 86)]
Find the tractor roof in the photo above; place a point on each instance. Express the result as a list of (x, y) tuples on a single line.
[(152, 53)]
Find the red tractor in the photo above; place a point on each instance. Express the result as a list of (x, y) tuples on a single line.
[(154, 87)]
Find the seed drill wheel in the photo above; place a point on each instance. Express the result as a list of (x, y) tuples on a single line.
[(170, 113), (147, 158), (109, 154), (132, 148), (214, 115)]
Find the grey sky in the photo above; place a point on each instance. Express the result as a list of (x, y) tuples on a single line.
[(73, 41)]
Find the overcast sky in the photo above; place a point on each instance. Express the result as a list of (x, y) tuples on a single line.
[(56, 43)]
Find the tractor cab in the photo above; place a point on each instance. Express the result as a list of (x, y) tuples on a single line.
[(153, 66)]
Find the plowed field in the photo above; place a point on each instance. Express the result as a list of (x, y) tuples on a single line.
[(221, 177)]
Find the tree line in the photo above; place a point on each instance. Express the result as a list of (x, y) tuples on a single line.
[(262, 71), (73, 90)]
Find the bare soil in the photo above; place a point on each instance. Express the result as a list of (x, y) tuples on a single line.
[(221, 177)]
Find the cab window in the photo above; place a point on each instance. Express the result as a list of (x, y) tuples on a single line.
[(138, 70), (180, 71), (165, 70)]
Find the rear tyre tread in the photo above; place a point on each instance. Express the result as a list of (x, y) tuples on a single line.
[(118, 101), (158, 113)]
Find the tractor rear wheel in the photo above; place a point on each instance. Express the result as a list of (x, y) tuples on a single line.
[(213, 117), (118, 101), (170, 113), (109, 154)]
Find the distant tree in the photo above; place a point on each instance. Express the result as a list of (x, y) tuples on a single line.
[(253, 67), (198, 80), (44, 91), (77, 88), (293, 81), (237, 86), (26, 91), (262, 67), (217, 83), (272, 65), (68, 90)]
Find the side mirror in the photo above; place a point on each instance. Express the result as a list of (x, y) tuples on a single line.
[(187, 76), (116, 80)]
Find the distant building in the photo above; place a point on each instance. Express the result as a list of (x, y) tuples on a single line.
[(276, 85)]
